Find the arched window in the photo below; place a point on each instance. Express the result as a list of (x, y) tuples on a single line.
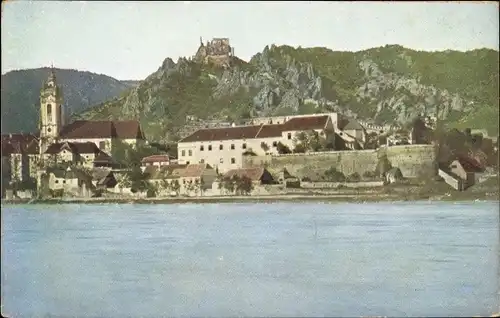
[(49, 112)]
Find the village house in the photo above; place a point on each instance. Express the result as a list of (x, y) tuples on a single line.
[(190, 179), (223, 148), (103, 179), (20, 156), (461, 173), (60, 142), (258, 175), (68, 181), (157, 160), (77, 153)]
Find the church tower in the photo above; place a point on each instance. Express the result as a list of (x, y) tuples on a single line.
[(51, 113)]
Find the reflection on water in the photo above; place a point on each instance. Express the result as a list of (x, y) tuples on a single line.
[(283, 259)]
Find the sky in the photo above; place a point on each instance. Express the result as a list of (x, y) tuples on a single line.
[(130, 40)]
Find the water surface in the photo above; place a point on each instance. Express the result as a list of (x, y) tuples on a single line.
[(281, 259)]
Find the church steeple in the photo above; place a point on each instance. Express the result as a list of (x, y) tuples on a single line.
[(51, 115)]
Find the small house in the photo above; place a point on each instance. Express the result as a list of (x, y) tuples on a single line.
[(258, 175), (103, 178), (466, 169), (156, 160)]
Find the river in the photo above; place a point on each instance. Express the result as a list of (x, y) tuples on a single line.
[(250, 259)]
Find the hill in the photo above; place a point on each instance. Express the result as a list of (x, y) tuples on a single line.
[(386, 84), (21, 91)]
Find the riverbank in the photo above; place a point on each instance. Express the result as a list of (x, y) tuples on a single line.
[(327, 198), (428, 191)]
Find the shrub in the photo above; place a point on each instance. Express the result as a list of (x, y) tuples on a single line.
[(370, 175), (333, 175), (283, 149), (354, 177), (299, 148)]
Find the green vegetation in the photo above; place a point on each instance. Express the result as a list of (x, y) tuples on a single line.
[(333, 175), (236, 185), (81, 90), (162, 101)]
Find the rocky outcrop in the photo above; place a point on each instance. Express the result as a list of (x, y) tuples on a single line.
[(288, 81)]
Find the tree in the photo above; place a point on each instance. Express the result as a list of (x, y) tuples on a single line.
[(283, 149), (190, 187), (354, 177), (198, 186), (243, 185), (125, 182), (299, 148), (165, 184), (138, 179), (333, 175), (383, 165), (264, 146), (175, 186), (229, 183)]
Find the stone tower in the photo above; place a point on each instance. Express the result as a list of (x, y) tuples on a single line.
[(51, 112)]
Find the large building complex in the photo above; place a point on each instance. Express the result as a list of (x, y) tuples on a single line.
[(80, 142)]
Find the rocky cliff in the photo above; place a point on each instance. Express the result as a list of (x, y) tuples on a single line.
[(387, 84)]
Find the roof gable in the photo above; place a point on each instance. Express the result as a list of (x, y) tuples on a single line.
[(19, 144), (306, 123), (353, 125), (468, 164), (89, 129), (254, 173)]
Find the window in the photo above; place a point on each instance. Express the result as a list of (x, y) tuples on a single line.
[(183, 153), (289, 136), (202, 148), (49, 130), (64, 181), (202, 161), (57, 181), (221, 160), (49, 112), (232, 146), (102, 145), (275, 144), (221, 147), (187, 162), (233, 161), (209, 147), (190, 152), (244, 146), (453, 166)]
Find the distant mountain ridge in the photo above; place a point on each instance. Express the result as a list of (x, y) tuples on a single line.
[(389, 84), (81, 90)]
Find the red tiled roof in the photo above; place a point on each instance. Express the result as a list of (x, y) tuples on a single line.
[(226, 133), (19, 143), (128, 129), (103, 157), (82, 129), (194, 170), (269, 131), (255, 173), (306, 123), (156, 158), (74, 147), (258, 131), (469, 164)]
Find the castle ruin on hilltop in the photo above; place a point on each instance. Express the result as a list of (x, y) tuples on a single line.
[(218, 51)]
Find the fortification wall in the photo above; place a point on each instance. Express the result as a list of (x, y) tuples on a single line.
[(413, 160)]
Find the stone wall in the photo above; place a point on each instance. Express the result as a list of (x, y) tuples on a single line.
[(413, 160)]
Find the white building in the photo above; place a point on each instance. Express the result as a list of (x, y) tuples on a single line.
[(223, 148)]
